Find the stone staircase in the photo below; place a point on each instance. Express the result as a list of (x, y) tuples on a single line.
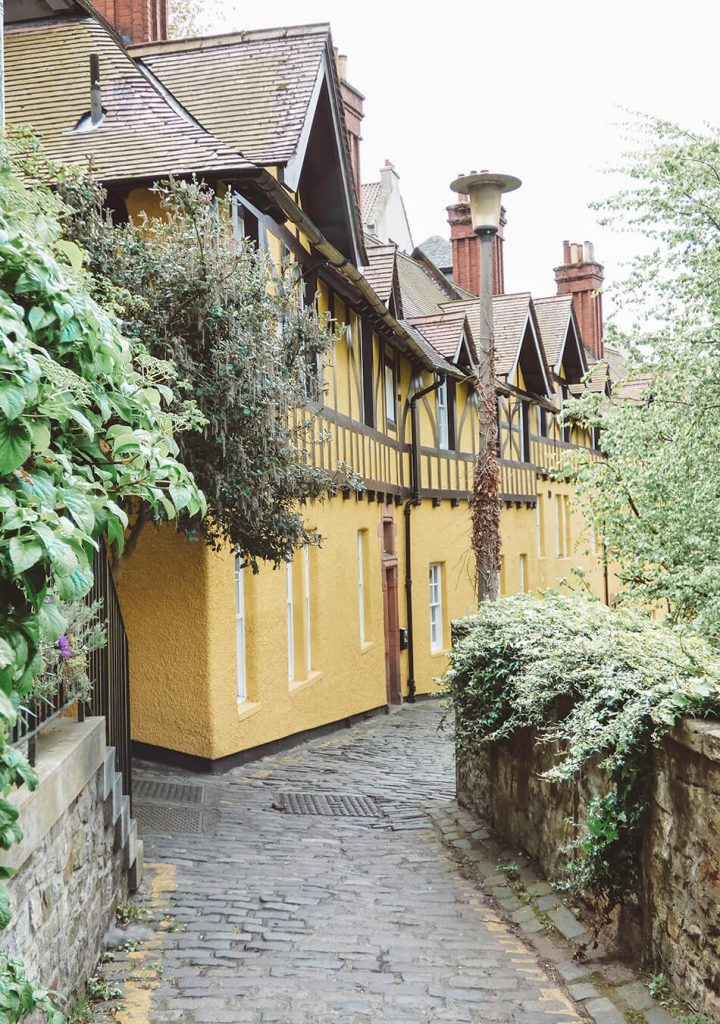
[(117, 804)]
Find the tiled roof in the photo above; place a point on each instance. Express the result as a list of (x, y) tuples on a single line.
[(438, 361), (438, 250), (420, 294), (443, 330), (250, 89), (510, 313), (553, 317), (380, 271), (616, 362), (47, 85), (371, 194), (595, 380)]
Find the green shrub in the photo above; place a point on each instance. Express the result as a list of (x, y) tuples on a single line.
[(605, 685)]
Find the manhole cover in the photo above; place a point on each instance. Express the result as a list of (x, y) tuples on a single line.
[(154, 819), (345, 804), (172, 792)]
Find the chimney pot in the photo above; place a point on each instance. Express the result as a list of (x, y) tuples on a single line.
[(582, 277)]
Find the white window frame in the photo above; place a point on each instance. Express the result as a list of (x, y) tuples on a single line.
[(442, 416), (306, 598), (390, 401), (522, 573), (240, 646), (361, 585), (290, 623), (436, 609), (560, 533), (539, 526)]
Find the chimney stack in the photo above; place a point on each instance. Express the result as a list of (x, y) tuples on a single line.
[(353, 107), (137, 21), (466, 251), (582, 276)]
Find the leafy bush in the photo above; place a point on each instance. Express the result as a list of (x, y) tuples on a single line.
[(87, 421), (65, 661), (605, 685)]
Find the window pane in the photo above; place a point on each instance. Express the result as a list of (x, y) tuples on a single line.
[(389, 393), (436, 630), (240, 631)]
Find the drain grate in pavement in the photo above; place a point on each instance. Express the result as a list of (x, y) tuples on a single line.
[(173, 792), (154, 819), (347, 805)]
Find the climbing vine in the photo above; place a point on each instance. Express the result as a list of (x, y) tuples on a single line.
[(603, 686), (87, 421)]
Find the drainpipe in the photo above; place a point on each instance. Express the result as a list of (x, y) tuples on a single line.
[(412, 501)]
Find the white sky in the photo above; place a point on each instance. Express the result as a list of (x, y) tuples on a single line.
[(531, 88)]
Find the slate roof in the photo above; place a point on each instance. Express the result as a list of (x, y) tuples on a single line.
[(553, 318), (438, 250), (47, 85), (438, 361), (510, 314), (443, 330), (380, 271), (420, 294), (250, 89), (371, 194)]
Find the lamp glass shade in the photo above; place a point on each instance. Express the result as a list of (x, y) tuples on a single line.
[(485, 192)]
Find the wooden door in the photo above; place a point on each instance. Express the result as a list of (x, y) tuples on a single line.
[(390, 607)]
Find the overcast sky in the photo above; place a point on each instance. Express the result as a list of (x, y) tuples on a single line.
[(535, 89)]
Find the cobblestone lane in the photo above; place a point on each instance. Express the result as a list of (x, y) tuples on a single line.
[(265, 915)]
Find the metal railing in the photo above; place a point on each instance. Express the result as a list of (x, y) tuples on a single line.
[(108, 669)]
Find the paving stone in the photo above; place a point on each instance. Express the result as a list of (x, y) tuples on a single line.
[(566, 923), (582, 991), (636, 995), (303, 919), (658, 1015), (604, 1011)]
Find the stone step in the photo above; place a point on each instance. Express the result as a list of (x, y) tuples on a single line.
[(122, 822), (135, 872), (108, 773), (132, 842), (117, 797)]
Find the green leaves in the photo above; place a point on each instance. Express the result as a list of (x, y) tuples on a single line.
[(603, 687), (15, 445)]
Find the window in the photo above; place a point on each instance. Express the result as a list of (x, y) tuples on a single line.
[(306, 608), (366, 343), (436, 623), (522, 569), (240, 631), (390, 399), (524, 432), (540, 525), (562, 525), (361, 541), (290, 623), (442, 416), (541, 425)]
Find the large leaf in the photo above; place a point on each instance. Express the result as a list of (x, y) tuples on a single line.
[(52, 622), (76, 585), (15, 446), (24, 553), (80, 509), (12, 399)]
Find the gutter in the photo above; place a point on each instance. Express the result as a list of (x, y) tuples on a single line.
[(275, 190), (410, 504)]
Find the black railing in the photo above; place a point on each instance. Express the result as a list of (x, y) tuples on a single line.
[(109, 670), (109, 673)]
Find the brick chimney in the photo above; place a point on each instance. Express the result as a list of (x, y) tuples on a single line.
[(137, 21), (354, 113), (466, 251), (582, 276)]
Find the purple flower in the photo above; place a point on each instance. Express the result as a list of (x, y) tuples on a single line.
[(64, 645)]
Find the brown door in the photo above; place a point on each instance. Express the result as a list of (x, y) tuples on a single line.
[(390, 606)]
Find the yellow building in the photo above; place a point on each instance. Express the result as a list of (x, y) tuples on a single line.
[(226, 663)]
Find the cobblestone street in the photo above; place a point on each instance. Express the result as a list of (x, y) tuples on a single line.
[(264, 915)]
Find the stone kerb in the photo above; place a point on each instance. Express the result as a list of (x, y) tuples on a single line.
[(676, 924), (70, 870)]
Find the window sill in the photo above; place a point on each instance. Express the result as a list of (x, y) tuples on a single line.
[(367, 646), (300, 684), (247, 709), (439, 654)]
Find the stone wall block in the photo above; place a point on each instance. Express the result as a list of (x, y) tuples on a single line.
[(676, 925)]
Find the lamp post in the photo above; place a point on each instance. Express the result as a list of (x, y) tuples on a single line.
[(485, 192)]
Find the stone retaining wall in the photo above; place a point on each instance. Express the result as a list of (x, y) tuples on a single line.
[(676, 926), (72, 866)]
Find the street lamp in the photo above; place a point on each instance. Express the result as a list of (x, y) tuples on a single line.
[(485, 192)]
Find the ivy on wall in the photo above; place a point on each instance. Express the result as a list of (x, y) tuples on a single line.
[(602, 685)]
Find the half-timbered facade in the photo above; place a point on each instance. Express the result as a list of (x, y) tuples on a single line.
[(224, 661)]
